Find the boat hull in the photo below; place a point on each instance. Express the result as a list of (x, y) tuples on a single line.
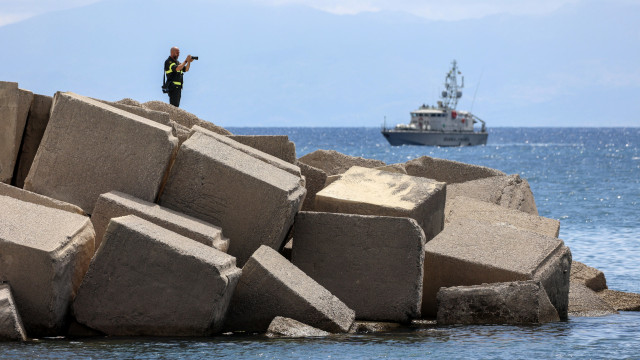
[(434, 138)]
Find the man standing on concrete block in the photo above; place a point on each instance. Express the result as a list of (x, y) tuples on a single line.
[(372, 263), (175, 75)]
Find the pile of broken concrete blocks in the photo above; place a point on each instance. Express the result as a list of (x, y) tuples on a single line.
[(117, 219)]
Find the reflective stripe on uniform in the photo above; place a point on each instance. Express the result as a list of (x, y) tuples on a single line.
[(177, 83)]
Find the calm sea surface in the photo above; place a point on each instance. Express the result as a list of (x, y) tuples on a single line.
[(588, 178)]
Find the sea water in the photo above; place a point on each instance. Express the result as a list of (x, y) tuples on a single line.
[(588, 178)]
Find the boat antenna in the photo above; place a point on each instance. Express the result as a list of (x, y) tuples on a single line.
[(476, 91)]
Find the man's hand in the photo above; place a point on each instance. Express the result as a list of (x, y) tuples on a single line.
[(189, 59)]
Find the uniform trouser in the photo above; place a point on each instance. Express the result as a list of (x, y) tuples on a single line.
[(174, 96)]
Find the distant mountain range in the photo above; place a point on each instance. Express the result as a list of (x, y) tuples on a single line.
[(296, 66)]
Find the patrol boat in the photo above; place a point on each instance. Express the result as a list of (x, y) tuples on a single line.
[(440, 125)]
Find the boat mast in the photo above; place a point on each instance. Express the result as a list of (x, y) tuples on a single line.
[(452, 91)]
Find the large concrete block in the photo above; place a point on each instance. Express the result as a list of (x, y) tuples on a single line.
[(271, 286), (591, 277), (116, 204), (285, 327), (253, 202), (183, 117), (147, 280), (585, 302), (258, 154), (373, 264), (374, 192), (518, 302), (14, 107), (34, 130), (620, 300), (44, 253), (275, 145), (448, 171), (315, 180), (28, 196), (511, 191), (90, 148), (468, 252), (153, 115), (464, 207), (335, 163), (11, 327)]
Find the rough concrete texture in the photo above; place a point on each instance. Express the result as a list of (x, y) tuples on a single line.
[(397, 168), (468, 252), (11, 327), (271, 286), (285, 327), (590, 277), (115, 204), (335, 163), (14, 107), (448, 171), (380, 261), (620, 300), (274, 145), (44, 253), (28, 196), (34, 130), (518, 302), (367, 327), (511, 191), (179, 131), (374, 192), (183, 117), (262, 156), (147, 280), (464, 207), (153, 115), (315, 180), (585, 302), (90, 148), (253, 202)]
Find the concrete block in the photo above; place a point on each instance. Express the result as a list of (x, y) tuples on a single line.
[(153, 115), (374, 192), (397, 168), (116, 204), (147, 280), (271, 286), (448, 171), (11, 327), (620, 300), (585, 302), (315, 180), (468, 252), (14, 107), (28, 196), (90, 148), (34, 130), (253, 202), (285, 327), (44, 253), (274, 145), (335, 163), (260, 155), (373, 264), (464, 207), (591, 277), (511, 191), (183, 117), (518, 302)]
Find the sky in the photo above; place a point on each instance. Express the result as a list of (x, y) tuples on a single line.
[(343, 62)]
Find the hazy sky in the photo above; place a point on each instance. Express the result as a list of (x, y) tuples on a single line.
[(526, 62), (13, 11)]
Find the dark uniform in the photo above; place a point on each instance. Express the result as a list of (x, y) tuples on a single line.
[(174, 80)]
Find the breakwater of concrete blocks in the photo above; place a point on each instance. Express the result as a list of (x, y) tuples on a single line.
[(139, 219)]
